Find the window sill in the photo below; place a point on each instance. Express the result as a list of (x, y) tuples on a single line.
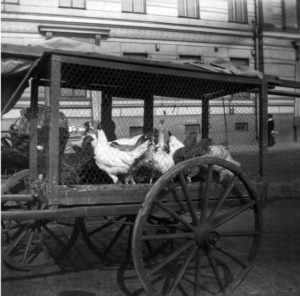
[(68, 7)]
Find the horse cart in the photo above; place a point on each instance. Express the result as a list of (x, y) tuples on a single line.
[(190, 232)]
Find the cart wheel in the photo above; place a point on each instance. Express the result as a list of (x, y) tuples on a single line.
[(32, 244), (109, 239), (213, 236)]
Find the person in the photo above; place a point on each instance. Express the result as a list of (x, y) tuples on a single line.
[(271, 130)]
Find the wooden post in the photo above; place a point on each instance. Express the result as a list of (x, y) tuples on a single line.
[(205, 118), (53, 153), (148, 113), (106, 117), (33, 162), (96, 100), (263, 128)]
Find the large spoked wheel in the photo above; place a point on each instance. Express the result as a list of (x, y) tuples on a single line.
[(213, 235), (32, 244)]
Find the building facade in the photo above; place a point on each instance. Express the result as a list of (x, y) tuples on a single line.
[(260, 34)]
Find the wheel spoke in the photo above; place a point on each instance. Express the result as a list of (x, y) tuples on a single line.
[(232, 257), (238, 233), (114, 239), (17, 240), (168, 236), (171, 257), (198, 272), (182, 271), (206, 192), (54, 235), (188, 199), (222, 199), (215, 270), (100, 228), (222, 219), (174, 214), (28, 244)]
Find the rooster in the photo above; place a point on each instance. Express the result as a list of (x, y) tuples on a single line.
[(112, 160)]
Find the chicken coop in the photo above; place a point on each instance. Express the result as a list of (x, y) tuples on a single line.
[(161, 164)]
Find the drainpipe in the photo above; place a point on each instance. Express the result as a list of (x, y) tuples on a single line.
[(257, 35)]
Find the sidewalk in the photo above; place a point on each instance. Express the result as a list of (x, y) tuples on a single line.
[(254, 148)]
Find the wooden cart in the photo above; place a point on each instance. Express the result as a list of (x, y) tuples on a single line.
[(186, 238)]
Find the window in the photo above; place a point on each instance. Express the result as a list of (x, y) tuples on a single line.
[(192, 128), (240, 63), (241, 126), (188, 8), (137, 6), (237, 10), (72, 3), (142, 55), (10, 1), (189, 57), (135, 131), (290, 14)]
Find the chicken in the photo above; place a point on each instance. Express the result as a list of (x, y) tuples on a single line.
[(174, 144), (195, 147), (112, 160), (220, 151), (160, 155), (128, 147), (127, 141)]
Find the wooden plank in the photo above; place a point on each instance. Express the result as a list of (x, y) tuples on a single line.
[(263, 129), (205, 118), (96, 99), (65, 213), (115, 194), (16, 197), (148, 113), (53, 153), (101, 194), (33, 154)]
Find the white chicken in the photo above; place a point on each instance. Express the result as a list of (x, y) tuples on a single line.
[(127, 141), (220, 151), (161, 159), (174, 144), (112, 160)]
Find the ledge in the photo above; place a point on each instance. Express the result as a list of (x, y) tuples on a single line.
[(96, 32)]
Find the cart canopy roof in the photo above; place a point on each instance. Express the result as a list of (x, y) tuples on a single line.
[(19, 63)]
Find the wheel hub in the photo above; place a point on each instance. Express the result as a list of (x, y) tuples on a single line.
[(205, 235)]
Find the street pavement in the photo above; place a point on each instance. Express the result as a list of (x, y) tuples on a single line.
[(276, 271)]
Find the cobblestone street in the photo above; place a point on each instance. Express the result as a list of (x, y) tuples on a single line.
[(276, 270)]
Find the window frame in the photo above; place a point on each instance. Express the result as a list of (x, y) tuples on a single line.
[(185, 15), (189, 57), (243, 130), (232, 59), (132, 5), (191, 126), (136, 55), (72, 6), (297, 20), (232, 12), (9, 2)]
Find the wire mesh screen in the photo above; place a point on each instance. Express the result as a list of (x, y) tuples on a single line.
[(126, 126)]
